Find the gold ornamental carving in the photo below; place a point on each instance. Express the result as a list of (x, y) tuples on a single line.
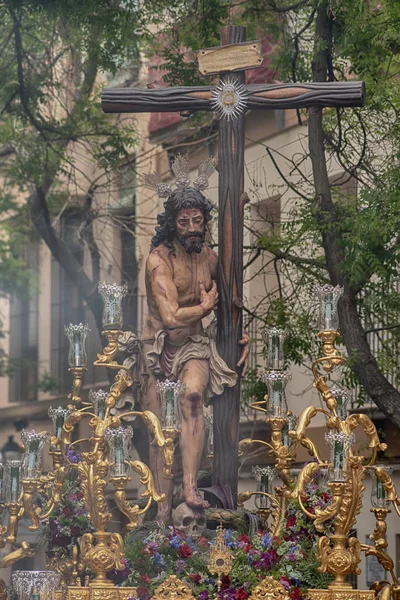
[(341, 594), (172, 588), (100, 593), (269, 589)]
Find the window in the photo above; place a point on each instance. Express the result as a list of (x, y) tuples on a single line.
[(66, 304), (24, 334), (124, 213)]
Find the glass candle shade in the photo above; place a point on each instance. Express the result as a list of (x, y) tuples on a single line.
[(31, 460), (340, 444), (12, 478), (342, 396), (2, 484), (264, 477), (119, 440), (169, 393), (76, 335), (58, 416), (210, 434), (112, 295), (98, 399), (274, 339), (27, 584), (276, 383), (378, 492), (289, 425), (328, 300)]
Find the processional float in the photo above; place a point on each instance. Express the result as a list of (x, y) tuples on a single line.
[(106, 461)]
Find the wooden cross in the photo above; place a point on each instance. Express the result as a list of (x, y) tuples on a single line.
[(231, 210)]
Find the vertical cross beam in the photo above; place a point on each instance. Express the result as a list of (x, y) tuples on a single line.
[(230, 282)]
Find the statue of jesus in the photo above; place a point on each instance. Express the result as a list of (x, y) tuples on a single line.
[(181, 289)]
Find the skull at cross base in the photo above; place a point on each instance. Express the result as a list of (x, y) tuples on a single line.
[(192, 522)]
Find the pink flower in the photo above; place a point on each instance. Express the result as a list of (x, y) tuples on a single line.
[(285, 582), (202, 542), (244, 538)]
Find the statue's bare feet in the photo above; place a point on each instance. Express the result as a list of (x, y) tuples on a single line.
[(193, 498)]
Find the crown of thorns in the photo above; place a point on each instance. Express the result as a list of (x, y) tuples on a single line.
[(180, 167)]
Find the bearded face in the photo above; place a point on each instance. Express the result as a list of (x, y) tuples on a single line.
[(190, 229)]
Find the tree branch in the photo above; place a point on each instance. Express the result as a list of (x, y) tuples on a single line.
[(41, 219), (365, 365)]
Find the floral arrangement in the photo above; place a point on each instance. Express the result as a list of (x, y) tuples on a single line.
[(290, 559), (63, 530)]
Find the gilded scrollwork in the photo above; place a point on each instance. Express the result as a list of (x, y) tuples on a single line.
[(269, 589), (352, 495), (92, 471), (29, 488), (133, 512), (23, 551), (107, 356), (173, 588), (78, 374)]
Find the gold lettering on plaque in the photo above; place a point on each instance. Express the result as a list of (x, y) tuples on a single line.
[(226, 59)]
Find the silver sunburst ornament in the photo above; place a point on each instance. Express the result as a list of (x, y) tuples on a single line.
[(229, 99)]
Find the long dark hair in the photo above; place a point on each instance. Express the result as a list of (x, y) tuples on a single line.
[(178, 199)]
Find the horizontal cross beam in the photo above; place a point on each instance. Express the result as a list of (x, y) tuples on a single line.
[(262, 96)]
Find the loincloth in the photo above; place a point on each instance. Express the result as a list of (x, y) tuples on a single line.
[(169, 359)]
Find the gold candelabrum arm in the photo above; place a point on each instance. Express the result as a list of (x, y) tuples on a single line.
[(299, 434), (305, 476), (78, 374), (369, 428), (330, 358), (15, 511), (23, 551), (247, 443), (133, 512), (380, 543), (164, 438), (107, 357), (29, 488), (246, 495), (55, 479), (389, 487)]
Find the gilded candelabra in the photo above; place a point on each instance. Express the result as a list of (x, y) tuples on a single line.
[(383, 493), (107, 455), (338, 553), (104, 459), (269, 502)]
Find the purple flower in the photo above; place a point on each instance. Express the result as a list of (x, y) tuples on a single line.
[(120, 576), (180, 565), (227, 594), (203, 595), (291, 556), (285, 582), (73, 457)]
